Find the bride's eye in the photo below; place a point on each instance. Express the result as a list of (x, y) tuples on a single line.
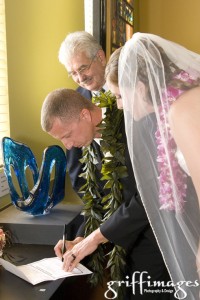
[(118, 97)]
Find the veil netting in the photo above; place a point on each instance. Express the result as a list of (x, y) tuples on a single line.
[(153, 73)]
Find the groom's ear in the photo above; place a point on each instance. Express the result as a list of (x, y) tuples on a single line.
[(85, 114)]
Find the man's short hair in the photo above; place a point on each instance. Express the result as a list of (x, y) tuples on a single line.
[(65, 104)]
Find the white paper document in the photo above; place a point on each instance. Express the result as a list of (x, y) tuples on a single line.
[(43, 270)]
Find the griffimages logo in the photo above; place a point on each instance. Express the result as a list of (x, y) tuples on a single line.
[(141, 283)]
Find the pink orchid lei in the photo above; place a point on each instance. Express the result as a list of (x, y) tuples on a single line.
[(169, 198)]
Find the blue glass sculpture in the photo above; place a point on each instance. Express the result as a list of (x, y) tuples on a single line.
[(37, 201)]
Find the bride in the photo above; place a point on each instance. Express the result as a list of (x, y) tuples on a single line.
[(157, 82)]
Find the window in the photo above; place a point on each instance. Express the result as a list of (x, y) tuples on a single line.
[(4, 104)]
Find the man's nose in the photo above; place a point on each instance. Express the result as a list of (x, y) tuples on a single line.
[(81, 78)]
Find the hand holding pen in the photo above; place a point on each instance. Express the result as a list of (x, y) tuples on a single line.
[(63, 240), (61, 248)]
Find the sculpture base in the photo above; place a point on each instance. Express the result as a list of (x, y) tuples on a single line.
[(42, 230)]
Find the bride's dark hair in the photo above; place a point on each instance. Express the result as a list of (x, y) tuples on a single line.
[(111, 71)]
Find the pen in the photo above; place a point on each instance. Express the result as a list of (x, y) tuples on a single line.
[(64, 238)]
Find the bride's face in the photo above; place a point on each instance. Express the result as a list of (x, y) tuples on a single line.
[(115, 91), (140, 105)]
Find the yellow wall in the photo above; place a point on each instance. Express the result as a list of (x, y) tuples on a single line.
[(176, 20), (35, 30)]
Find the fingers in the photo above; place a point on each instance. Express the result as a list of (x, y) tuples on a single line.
[(58, 248), (80, 250), (70, 261), (74, 263)]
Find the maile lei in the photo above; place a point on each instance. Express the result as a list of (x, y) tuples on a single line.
[(97, 209)]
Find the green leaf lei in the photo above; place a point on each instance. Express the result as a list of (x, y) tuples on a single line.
[(97, 209)]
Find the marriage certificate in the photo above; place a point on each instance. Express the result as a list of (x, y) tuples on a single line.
[(43, 270)]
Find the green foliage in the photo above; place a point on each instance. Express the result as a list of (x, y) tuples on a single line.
[(96, 208)]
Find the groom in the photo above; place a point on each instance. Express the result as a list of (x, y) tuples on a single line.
[(69, 117)]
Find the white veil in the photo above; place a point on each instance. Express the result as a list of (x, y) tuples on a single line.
[(166, 70)]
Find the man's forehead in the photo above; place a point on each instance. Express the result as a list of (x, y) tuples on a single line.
[(77, 60), (61, 127), (62, 123)]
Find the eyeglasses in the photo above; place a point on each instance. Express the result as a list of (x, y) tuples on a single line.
[(83, 70)]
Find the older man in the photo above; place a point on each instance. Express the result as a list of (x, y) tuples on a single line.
[(85, 62)]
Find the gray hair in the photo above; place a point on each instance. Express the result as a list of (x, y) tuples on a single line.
[(77, 42), (64, 104)]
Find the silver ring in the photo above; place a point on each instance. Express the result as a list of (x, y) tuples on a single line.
[(74, 256)]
